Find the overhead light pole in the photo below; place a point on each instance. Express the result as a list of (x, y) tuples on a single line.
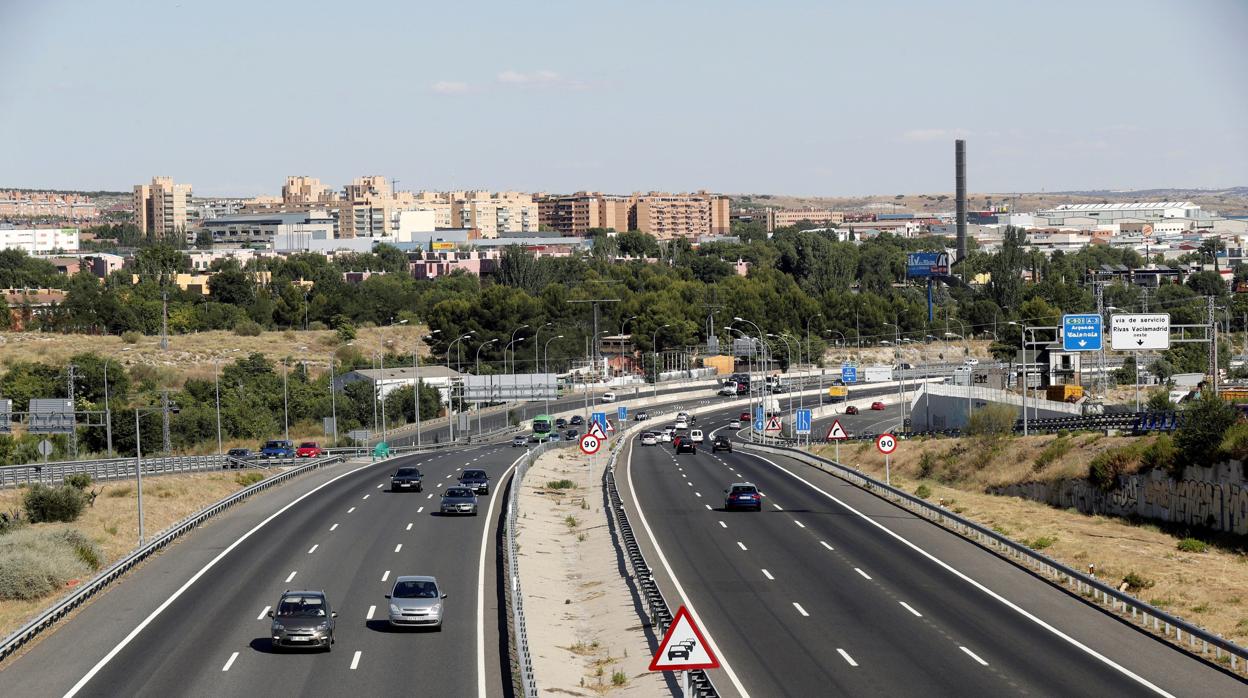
[(477, 403), (450, 387), (537, 344), (654, 346), (508, 348), (138, 455), (546, 353), (416, 384)]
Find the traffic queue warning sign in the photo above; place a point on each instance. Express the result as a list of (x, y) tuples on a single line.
[(683, 647)]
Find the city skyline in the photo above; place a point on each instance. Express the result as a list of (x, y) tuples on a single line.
[(801, 100)]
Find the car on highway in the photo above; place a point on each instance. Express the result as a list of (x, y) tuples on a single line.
[(608, 397), (519, 440), (561, 423), (235, 455), (684, 444), (734, 424), (577, 420), (695, 435), (681, 424), (665, 436), (851, 409), (779, 388), (302, 619), (649, 438), (728, 390), (458, 500), (572, 434), (877, 406), (742, 495), (407, 479), (744, 416), (721, 443), (416, 601), (641, 416), (277, 449), (309, 449), (553, 436), (475, 479), (970, 361)]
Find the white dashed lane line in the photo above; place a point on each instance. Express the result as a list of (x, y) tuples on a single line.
[(777, 506), (723, 525), (801, 610), (799, 523), (768, 575), (846, 657), (864, 574), (698, 494), (371, 611), (263, 613), (230, 662), (350, 510), (420, 510), (824, 543), (355, 660), (367, 496), (430, 496), (385, 575), (381, 485), (739, 544), (398, 547), (409, 526), (708, 507), (292, 576), (313, 548), (333, 527), (972, 655)]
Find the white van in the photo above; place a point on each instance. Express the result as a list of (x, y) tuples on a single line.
[(696, 436), (608, 397)]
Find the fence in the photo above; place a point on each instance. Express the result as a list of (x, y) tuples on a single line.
[(1142, 615), (75, 599), (107, 469)]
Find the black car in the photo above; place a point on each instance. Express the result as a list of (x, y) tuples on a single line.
[(742, 495), (571, 434), (722, 443), (406, 480), (561, 423), (476, 480), (686, 445), (577, 420), (235, 456)]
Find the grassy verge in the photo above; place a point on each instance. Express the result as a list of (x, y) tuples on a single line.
[(1208, 588), (111, 527)]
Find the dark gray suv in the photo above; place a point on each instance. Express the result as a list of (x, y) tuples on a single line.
[(476, 479), (302, 619)]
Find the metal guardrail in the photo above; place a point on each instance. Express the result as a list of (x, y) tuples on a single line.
[(660, 613), (1141, 615), (111, 468), (76, 598)]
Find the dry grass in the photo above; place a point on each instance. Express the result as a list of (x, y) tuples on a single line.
[(192, 356), (113, 522), (1209, 589)]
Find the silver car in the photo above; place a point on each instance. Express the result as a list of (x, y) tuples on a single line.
[(416, 601), (459, 500), (303, 619)]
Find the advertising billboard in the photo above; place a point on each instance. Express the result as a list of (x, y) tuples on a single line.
[(921, 265)]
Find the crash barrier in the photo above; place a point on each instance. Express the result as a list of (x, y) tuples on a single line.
[(1141, 615)]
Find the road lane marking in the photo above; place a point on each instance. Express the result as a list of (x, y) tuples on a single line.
[(708, 507), (371, 611), (824, 543), (799, 523), (355, 660), (976, 584), (398, 547), (723, 525), (768, 575), (263, 613), (367, 496), (409, 526), (864, 574), (698, 493), (739, 544), (333, 527), (292, 576), (799, 608), (485, 537), (230, 662), (430, 496), (689, 483), (313, 548), (385, 576), (420, 510), (439, 485), (777, 506), (846, 656), (381, 485), (972, 655), (908, 608)]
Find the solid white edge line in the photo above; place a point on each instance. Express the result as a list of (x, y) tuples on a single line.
[(485, 537), (263, 613), (800, 610), (1004, 601), (355, 659), (910, 609), (706, 631), (972, 655), (194, 578), (846, 657), (230, 662)]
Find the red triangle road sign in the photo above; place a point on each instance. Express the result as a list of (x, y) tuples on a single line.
[(773, 424), (683, 647), (836, 432)]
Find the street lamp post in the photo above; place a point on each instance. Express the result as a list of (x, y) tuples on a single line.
[(477, 403), (766, 363), (970, 376), (901, 395), (799, 350), (625, 324), (546, 353), (537, 345), (333, 398), (450, 387), (749, 369), (1023, 369), (654, 346), (285, 400), (216, 383), (138, 456), (416, 384), (508, 347)]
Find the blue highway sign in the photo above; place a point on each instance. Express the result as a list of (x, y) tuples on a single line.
[(803, 422), (849, 374), (621, 413), (1082, 332)]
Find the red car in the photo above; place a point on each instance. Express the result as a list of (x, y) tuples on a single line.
[(877, 406), (309, 449), (851, 410), (745, 417)]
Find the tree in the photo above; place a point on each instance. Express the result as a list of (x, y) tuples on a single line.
[(1209, 249), (161, 262), (232, 287), (635, 243), (1205, 422), (1207, 283), (1005, 288)]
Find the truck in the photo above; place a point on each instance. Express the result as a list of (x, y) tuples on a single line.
[(1064, 393), (838, 392), (771, 406)]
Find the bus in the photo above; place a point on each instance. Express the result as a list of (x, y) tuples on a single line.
[(542, 424)]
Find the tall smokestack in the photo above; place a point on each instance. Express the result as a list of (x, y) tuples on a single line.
[(959, 159)]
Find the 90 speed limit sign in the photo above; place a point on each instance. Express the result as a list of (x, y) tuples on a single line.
[(886, 443), (590, 444)]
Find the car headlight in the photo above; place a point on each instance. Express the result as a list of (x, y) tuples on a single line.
[(436, 608), (323, 626), (395, 609), (278, 627)]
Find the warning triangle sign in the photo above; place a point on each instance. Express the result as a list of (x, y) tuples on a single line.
[(610, 428), (836, 432), (596, 429), (683, 647), (773, 424)]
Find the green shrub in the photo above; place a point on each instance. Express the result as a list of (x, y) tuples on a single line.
[(131, 337), (80, 480), (618, 678), (927, 464), (1041, 542), (1193, 545), (1235, 442), (923, 492), (35, 563), (248, 328), (992, 421), (1106, 466), (1205, 423), (64, 503), (346, 332), (11, 521), (560, 485), (1052, 451), (317, 326), (1160, 454), (82, 547), (1136, 582), (248, 479)]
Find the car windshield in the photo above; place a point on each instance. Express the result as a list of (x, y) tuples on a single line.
[(743, 489), (458, 492), (474, 475), (273, 444), (301, 607), (307, 444), (407, 472), (415, 590)]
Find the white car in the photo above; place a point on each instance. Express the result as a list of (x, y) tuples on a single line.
[(734, 424), (608, 397), (681, 423), (971, 361), (728, 390), (649, 439), (696, 436), (666, 437)]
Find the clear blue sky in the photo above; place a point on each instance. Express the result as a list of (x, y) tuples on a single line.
[(816, 98)]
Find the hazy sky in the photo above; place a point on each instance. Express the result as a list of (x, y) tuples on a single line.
[(818, 98)]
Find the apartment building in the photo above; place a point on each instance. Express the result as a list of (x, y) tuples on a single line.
[(577, 213), (667, 216), (47, 205), (301, 189), (787, 217), (160, 208), (39, 240), (493, 213)]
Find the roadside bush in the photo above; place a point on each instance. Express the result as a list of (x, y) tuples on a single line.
[(927, 464), (248, 479), (247, 328), (1205, 424), (923, 492), (79, 480), (1052, 451), (131, 337), (1041, 542), (11, 521), (346, 332), (1160, 454), (560, 485), (992, 421), (64, 503), (317, 326), (1136, 582), (1235, 442), (34, 563), (1105, 468), (1193, 545)]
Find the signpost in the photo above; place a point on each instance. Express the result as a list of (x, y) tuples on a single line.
[(849, 373), (684, 648), (886, 443), (1082, 332), (596, 430), (802, 422), (45, 449), (836, 433), (590, 444), (621, 413), (1140, 332), (920, 265), (773, 425)]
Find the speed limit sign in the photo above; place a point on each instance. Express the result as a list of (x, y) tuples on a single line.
[(590, 444), (887, 443)]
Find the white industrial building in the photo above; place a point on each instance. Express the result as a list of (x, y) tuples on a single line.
[(1154, 212), (39, 240)]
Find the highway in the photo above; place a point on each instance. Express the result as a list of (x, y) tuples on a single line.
[(831, 591)]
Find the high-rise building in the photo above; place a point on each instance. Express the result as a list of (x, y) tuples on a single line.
[(160, 207), (666, 216), (577, 213), (494, 214), (787, 217), (305, 190)]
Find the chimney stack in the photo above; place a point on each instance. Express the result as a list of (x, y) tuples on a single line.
[(959, 159)]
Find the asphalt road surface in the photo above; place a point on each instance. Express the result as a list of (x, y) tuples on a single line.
[(853, 596)]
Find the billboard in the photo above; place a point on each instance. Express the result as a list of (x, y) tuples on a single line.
[(876, 374), (920, 265), (442, 245), (51, 416), (511, 387)]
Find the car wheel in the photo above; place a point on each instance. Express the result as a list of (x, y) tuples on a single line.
[(420, 488)]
